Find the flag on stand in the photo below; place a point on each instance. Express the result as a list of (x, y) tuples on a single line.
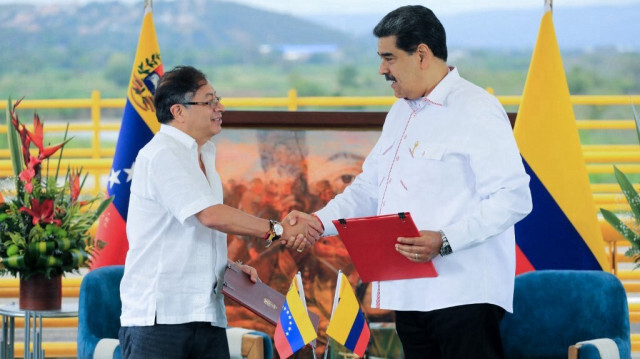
[(347, 325), (562, 231), (139, 124), (294, 329)]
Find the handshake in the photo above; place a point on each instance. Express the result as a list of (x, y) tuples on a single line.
[(301, 230)]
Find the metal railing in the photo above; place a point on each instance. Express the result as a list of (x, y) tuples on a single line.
[(96, 158)]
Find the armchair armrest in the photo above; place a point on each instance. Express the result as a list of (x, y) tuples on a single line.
[(596, 348), (106, 349)]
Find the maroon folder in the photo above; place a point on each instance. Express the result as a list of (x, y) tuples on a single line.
[(371, 242), (259, 298)]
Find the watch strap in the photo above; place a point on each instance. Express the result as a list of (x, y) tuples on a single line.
[(445, 248)]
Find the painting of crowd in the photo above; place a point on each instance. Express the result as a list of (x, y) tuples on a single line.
[(271, 172)]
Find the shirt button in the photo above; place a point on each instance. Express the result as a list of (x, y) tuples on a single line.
[(397, 158), (389, 179)]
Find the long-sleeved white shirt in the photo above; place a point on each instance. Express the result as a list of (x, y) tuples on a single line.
[(450, 159), (175, 265)]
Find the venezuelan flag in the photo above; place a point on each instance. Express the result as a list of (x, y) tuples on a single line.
[(139, 124), (347, 325), (294, 329), (562, 231)]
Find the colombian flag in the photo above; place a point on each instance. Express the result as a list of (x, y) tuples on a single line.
[(347, 325), (562, 231), (139, 123), (294, 329)]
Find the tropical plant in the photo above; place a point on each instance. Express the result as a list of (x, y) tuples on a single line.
[(45, 227), (633, 199)]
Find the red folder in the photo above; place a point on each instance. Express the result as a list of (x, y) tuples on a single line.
[(371, 242)]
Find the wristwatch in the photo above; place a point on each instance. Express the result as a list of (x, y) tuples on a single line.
[(445, 248), (275, 232)]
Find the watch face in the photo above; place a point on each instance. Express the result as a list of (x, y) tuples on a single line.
[(278, 229)]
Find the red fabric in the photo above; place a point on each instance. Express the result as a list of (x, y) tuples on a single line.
[(522, 262), (282, 344), (112, 230)]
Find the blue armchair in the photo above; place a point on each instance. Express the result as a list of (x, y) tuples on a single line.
[(99, 308), (556, 309), (99, 320)]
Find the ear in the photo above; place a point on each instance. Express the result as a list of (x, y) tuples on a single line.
[(424, 55), (177, 111)]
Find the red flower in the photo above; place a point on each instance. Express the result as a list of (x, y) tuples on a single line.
[(36, 137), (41, 212), (27, 174), (74, 183), (26, 177)]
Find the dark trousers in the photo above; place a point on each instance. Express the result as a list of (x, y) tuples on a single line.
[(466, 331), (175, 341)]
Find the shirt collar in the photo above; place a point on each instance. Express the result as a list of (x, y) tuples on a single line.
[(178, 135), (439, 93)]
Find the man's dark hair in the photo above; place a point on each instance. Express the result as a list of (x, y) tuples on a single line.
[(178, 85), (414, 25)]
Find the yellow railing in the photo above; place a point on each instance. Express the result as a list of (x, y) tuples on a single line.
[(96, 159)]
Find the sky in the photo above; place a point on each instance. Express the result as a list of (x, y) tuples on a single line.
[(311, 7)]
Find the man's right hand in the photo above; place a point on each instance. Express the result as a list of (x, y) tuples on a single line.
[(305, 230)]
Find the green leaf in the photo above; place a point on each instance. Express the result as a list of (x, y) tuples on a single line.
[(635, 116), (103, 206), (629, 192), (14, 143), (620, 227)]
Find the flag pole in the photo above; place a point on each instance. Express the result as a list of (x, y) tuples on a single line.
[(303, 298), (336, 297)]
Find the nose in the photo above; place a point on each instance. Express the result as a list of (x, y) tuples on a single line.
[(384, 69), (220, 107)]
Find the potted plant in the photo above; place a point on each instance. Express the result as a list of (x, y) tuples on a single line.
[(633, 199), (44, 229)]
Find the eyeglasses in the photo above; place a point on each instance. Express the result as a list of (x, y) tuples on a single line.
[(212, 104)]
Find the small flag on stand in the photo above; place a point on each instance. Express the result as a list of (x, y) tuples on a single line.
[(294, 329), (139, 123), (347, 325)]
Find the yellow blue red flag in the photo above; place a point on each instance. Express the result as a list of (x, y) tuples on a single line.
[(347, 325), (562, 231), (294, 329), (139, 124)]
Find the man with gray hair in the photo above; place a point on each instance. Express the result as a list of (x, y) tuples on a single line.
[(171, 291)]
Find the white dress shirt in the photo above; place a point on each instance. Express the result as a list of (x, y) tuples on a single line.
[(450, 159), (175, 265)]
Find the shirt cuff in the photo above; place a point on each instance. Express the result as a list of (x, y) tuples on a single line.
[(195, 208), (327, 225)]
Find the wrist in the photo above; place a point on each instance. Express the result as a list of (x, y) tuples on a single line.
[(319, 220), (274, 233)]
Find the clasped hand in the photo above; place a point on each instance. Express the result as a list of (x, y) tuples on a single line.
[(301, 230)]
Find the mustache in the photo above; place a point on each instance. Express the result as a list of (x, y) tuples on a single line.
[(389, 77)]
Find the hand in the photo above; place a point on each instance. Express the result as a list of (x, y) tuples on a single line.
[(307, 227), (251, 272), (420, 249)]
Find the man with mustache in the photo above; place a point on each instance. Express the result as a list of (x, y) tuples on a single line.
[(448, 156), (171, 291)]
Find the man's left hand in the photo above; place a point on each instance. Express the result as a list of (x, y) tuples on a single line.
[(420, 249), (252, 272)]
